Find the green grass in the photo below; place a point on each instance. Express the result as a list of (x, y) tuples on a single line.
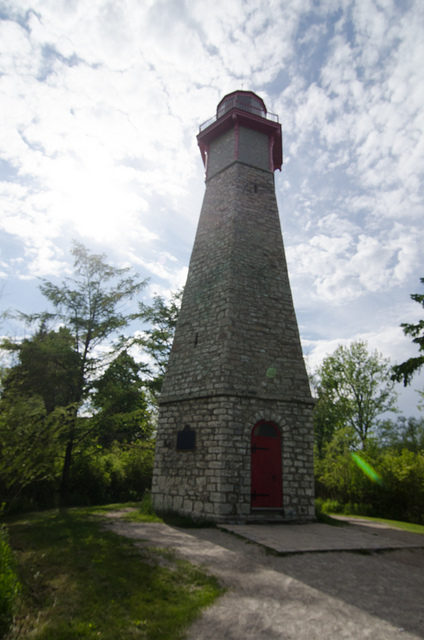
[(82, 582), (145, 513), (398, 524), (325, 518), (9, 583)]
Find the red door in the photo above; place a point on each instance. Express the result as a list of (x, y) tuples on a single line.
[(266, 485)]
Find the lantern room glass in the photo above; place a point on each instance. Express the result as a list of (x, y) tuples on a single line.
[(245, 102)]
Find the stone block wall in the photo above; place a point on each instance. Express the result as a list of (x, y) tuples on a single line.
[(237, 322), (253, 148), (213, 480), (221, 153)]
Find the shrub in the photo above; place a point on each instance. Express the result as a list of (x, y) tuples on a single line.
[(403, 478), (331, 506), (395, 489), (9, 584), (358, 508), (117, 474)]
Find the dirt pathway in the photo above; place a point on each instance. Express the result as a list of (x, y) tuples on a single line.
[(337, 595)]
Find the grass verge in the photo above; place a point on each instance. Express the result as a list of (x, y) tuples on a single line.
[(397, 524), (80, 581), (9, 583), (145, 513)]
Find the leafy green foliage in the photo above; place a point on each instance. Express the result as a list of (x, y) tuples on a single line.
[(355, 389), (31, 445), (9, 583), (89, 306), (405, 371), (123, 407), (398, 494), (405, 433), (38, 402), (328, 418), (83, 582), (47, 366), (118, 473), (403, 477), (157, 340)]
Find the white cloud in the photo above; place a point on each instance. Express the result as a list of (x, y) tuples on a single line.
[(100, 107)]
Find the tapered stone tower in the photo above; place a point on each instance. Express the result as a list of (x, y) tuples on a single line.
[(235, 435)]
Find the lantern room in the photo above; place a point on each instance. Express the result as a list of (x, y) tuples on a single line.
[(241, 125), (244, 100)]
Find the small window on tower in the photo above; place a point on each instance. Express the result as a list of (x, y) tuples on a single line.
[(186, 439)]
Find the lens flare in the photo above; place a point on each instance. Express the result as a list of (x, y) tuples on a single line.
[(367, 468), (271, 372)]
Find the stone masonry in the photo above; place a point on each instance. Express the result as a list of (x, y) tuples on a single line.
[(236, 358)]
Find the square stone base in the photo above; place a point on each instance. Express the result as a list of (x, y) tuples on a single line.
[(211, 478)]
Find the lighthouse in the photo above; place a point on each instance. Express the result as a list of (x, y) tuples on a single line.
[(235, 434)]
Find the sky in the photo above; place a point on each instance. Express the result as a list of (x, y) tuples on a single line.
[(100, 105)]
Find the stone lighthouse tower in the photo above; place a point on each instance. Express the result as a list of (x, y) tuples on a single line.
[(235, 435)]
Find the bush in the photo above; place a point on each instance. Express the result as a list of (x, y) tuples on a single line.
[(329, 506), (9, 584), (118, 474), (394, 489), (358, 509), (403, 484)]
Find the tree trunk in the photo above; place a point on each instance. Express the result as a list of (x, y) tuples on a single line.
[(67, 462)]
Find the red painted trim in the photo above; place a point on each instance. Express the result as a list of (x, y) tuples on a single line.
[(203, 151), (271, 141), (252, 121)]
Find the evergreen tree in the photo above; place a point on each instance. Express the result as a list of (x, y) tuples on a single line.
[(405, 371), (121, 402), (157, 340), (46, 366)]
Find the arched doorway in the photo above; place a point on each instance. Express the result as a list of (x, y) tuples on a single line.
[(266, 478)]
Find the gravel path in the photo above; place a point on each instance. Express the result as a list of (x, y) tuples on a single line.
[(378, 595)]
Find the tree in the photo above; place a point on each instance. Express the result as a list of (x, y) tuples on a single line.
[(47, 366), (358, 386), (30, 445), (405, 371), (405, 433), (119, 396), (37, 401), (89, 306), (157, 340), (328, 417)]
